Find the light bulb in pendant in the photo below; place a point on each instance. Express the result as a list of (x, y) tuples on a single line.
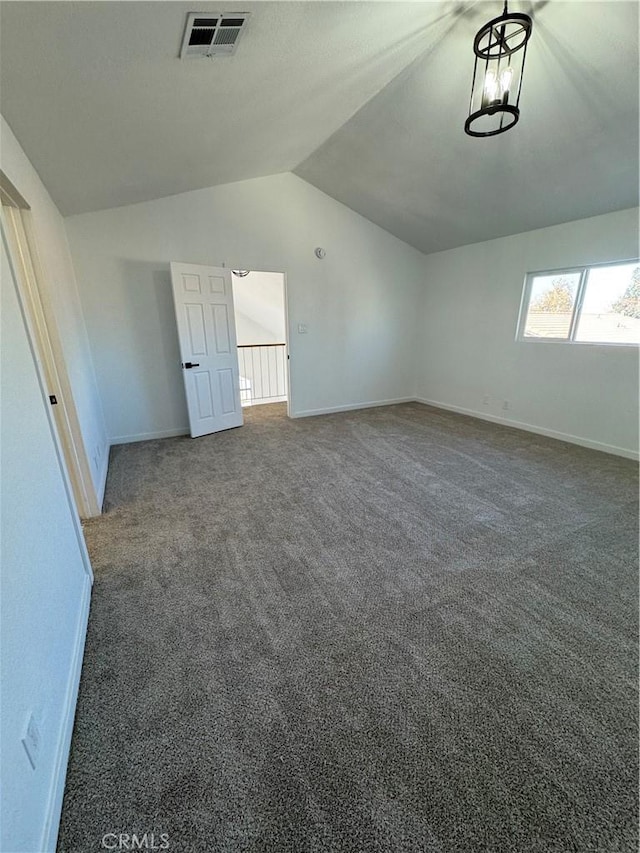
[(506, 76), (491, 86)]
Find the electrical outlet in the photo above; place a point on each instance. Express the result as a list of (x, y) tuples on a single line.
[(31, 741), (302, 328), (485, 400), (505, 405)]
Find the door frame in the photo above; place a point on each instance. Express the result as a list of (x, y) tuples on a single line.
[(44, 339), (287, 332)]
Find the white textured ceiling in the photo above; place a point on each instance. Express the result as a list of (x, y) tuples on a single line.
[(109, 114), (365, 100)]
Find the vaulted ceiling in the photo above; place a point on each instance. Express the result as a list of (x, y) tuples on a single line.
[(365, 100)]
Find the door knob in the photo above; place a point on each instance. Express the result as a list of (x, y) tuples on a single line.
[(188, 365)]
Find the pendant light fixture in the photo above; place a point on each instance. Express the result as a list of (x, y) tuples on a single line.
[(500, 47)]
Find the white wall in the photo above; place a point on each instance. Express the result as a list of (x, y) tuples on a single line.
[(259, 305), (62, 296), (358, 302), (467, 347), (45, 586)]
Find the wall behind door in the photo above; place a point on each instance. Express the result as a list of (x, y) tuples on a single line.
[(259, 305), (358, 303)]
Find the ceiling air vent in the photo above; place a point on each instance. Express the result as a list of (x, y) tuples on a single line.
[(212, 35)]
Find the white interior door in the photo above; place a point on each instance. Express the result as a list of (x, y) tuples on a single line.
[(203, 298)]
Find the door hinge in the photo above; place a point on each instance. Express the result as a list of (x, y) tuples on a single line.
[(53, 399)]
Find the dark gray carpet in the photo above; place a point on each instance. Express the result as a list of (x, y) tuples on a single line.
[(389, 630)]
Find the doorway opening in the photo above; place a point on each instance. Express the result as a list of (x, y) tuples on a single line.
[(261, 330)]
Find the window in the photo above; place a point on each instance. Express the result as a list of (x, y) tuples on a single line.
[(595, 305)]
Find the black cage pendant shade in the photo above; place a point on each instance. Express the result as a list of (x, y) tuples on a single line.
[(500, 47)]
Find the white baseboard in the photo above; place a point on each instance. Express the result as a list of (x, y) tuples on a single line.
[(549, 433), (146, 436), (56, 791), (350, 407)]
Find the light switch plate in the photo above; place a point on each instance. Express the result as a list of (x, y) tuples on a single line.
[(302, 328)]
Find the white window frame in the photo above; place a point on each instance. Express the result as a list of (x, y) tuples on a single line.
[(577, 305)]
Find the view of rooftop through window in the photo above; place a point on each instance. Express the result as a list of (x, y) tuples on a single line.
[(598, 304)]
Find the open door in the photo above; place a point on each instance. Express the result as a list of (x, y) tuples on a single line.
[(203, 298)]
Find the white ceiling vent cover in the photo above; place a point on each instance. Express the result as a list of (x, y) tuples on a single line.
[(209, 34)]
